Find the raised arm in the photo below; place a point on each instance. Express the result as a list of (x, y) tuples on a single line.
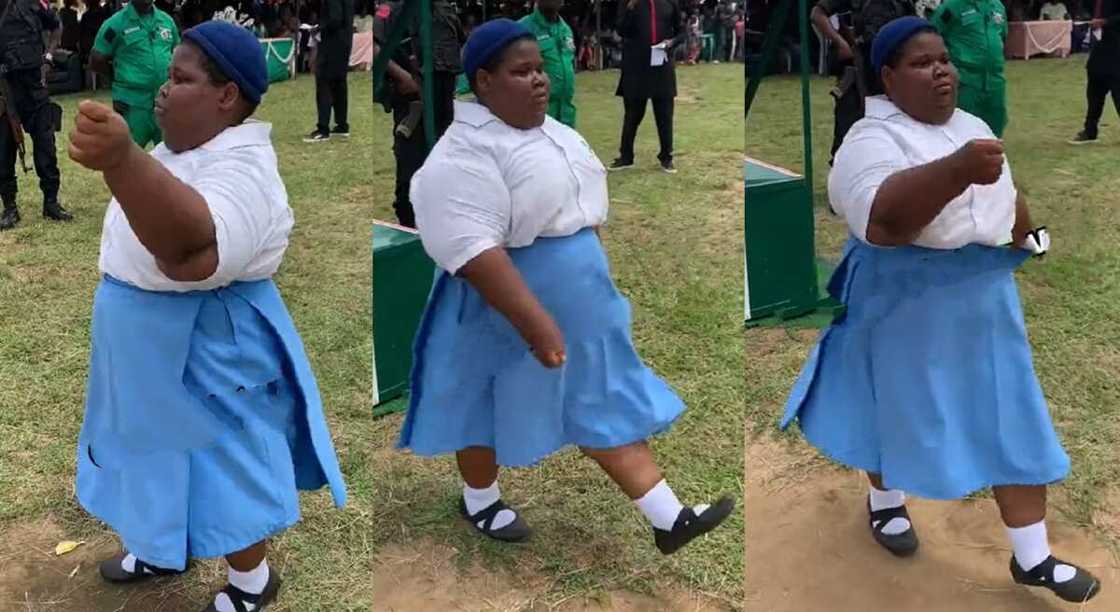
[(179, 232), (821, 17)]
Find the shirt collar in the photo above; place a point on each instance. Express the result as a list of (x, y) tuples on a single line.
[(881, 107), (249, 134), (473, 114)]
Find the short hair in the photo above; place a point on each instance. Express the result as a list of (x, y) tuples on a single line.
[(219, 78), (495, 60)]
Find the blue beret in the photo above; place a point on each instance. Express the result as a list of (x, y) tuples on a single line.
[(238, 54), (489, 39), (894, 35)]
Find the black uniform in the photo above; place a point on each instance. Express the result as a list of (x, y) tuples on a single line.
[(641, 82), (411, 150), (859, 79), (1104, 67), (21, 62), (332, 63)]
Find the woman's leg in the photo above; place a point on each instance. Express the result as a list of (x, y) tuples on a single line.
[(1023, 509), (880, 498), (478, 466), (250, 574), (633, 469)]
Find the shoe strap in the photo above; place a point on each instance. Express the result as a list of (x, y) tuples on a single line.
[(488, 514), (1044, 572), (685, 518), (140, 566), (880, 518), (239, 598)]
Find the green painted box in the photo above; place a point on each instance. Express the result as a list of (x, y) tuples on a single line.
[(781, 273), (402, 278)]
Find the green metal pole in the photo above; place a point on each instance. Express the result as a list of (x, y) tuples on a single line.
[(426, 70), (806, 112), (769, 50)]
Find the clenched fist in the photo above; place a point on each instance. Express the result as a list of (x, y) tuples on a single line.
[(979, 162), (100, 140)]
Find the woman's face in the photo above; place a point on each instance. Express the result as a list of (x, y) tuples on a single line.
[(190, 108), (924, 82), (517, 91)]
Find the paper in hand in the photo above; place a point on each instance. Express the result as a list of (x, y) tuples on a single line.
[(657, 55)]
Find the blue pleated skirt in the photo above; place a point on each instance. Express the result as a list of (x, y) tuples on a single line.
[(927, 378), (202, 421), (475, 382)]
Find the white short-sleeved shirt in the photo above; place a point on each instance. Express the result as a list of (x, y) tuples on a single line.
[(236, 173), (486, 184), (887, 141)]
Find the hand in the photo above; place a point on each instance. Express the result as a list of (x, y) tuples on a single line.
[(844, 51), (979, 162), (100, 140), (630, 4), (408, 87), (547, 345), (1096, 23)]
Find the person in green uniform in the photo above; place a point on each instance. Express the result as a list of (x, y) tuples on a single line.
[(134, 48), (975, 32), (558, 50)]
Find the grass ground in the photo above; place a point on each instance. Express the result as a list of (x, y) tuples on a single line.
[(674, 242), (1070, 297)]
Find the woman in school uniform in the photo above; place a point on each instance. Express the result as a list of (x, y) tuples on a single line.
[(203, 419), (525, 344), (926, 382)]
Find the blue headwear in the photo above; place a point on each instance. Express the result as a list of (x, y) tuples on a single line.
[(892, 36), (489, 39), (236, 52)]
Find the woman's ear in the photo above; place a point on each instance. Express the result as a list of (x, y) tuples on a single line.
[(229, 96), (482, 82), (886, 75)]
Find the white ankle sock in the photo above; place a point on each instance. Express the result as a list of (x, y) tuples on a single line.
[(253, 582), (1032, 546), (893, 498), (661, 506), (128, 564), (478, 500)]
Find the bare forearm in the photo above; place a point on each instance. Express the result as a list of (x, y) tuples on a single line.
[(175, 226), (910, 200), (1023, 222), (393, 69), (824, 26), (101, 64), (497, 280)]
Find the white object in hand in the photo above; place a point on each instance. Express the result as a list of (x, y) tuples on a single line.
[(657, 55), (1038, 241)]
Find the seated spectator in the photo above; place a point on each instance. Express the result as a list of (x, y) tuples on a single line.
[(1053, 11)]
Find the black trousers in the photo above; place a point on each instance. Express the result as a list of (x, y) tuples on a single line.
[(332, 94), (32, 104), (847, 111), (635, 111), (1099, 87), (411, 152)]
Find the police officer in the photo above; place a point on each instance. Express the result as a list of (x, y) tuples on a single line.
[(853, 54), (134, 47), (403, 91), (26, 104), (558, 50), (975, 32)]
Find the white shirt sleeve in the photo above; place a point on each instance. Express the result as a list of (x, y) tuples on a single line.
[(463, 206), (238, 204), (862, 165)]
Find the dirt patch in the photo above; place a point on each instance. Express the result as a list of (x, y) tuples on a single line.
[(33, 579), (808, 548), (425, 577)]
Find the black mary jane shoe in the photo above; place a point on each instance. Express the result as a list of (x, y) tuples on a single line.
[(1079, 589), (900, 545), (112, 571), (517, 531), (240, 598), (690, 525)]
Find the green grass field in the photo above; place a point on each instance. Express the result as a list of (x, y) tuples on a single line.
[(675, 245), (1070, 298)]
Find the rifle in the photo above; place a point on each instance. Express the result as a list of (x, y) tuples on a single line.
[(9, 107)]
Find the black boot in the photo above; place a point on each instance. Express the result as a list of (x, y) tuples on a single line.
[(10, 218), (54, 211)]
